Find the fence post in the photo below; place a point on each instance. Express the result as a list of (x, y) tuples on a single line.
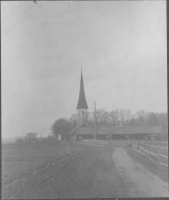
[(148, 150), (158, 149), (137, 145)]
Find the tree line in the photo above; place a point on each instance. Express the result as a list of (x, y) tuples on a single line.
[(124, 117), (32, 137)]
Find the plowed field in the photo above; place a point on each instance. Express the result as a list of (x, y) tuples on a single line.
[(65, 170)]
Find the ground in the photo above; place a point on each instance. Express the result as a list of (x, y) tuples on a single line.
[(73, 170)]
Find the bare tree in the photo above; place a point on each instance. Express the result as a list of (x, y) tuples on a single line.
[(31, 137), (106, 117), (163, 120), (152, 119), (100, 114), (133, 120), (127, 116), (90, 116), (74, 119), (141, 118), (122, 116), (114, 116)]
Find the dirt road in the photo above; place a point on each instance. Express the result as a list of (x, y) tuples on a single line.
[(142, 179), (94, 172)]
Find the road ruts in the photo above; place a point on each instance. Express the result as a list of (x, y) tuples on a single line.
[(88, 174)]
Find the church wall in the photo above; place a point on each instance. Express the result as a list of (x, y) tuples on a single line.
[(82, 116)]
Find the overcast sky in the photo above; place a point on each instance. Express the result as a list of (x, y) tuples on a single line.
[(122, 45)]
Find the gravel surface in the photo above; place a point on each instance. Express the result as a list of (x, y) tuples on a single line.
[(143, 180)]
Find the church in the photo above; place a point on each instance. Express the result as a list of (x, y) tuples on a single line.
[(109, 132), (82, 131), (82, 106)]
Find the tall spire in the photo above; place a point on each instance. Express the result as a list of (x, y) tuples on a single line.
[(82, 104)]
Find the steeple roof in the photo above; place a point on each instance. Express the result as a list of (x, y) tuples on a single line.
[(82, 104)]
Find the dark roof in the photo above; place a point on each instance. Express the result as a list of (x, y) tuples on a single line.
[(123, 130), (152, 130), (115, 130), (82, 104), (81, 130), (74, 130), (84, 131), (129, 130)]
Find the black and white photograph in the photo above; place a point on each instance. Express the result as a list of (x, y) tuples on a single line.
[(84, 110)]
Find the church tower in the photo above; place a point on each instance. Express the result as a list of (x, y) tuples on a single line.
[(82, 104)]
